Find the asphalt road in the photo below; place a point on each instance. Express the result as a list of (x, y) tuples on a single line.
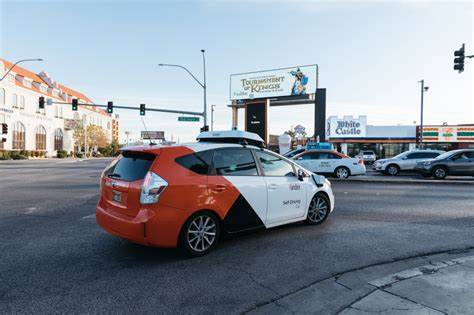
[(54, 258)]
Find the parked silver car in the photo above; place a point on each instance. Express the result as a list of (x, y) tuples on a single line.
[(405, 161), (456, 162), (369, 157)]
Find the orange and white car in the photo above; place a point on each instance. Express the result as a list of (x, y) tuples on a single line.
[(190, 194)]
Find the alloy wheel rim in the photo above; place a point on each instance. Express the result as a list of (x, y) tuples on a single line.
[(392, 170), (342, 173), (317, 209), (439, 172), (201, 233)]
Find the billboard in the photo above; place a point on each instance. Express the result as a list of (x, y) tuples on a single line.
[(153, 135), (292, 81), (448, 134), (347, 127)]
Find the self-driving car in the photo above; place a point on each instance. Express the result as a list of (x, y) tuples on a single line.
[(188, 195), (330, 162)]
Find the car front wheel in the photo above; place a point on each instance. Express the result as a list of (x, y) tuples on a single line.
[(439, 172), (318, 210), (200, 234), (393, 170)]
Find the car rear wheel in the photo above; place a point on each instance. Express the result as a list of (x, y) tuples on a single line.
[(342, 172), (318, 210), (200, 234), (439, 172), (393, 169)]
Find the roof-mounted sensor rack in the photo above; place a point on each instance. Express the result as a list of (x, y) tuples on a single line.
[(231, 136)]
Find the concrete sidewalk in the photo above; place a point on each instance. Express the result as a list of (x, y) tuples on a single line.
[(434, 284)]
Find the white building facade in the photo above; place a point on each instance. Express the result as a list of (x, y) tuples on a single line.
[(44, 130)]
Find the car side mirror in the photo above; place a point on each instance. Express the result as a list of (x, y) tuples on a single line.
[(404, 158), (300, 175)]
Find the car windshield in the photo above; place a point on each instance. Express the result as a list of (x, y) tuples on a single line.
[(368, 153)]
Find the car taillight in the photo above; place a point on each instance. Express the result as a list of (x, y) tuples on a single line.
[(361, 162), (152, 187)]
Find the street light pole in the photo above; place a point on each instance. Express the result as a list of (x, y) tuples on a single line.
[(212, 117), (203, 85), (423, 90), (14, 65)]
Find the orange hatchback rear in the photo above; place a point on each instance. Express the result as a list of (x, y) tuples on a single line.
[(131, 188)]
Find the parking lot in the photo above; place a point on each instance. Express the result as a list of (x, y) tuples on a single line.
[(54, 258)]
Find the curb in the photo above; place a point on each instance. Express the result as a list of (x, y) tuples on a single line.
[(418, 271), (407, 181)]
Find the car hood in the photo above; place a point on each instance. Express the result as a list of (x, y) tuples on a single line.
[(384, 160)]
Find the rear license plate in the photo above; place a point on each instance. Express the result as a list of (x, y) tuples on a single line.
[(116, 196)]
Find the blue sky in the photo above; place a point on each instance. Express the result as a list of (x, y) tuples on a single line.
[(371, 54)]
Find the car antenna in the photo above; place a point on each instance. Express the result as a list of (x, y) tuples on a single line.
[(146, 131)]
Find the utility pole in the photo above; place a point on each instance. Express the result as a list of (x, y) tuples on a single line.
[(423, 90), (212, 117)]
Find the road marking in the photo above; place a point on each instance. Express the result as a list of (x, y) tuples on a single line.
[(30, 210), (90, 216)]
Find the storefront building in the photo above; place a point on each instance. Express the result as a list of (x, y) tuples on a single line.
[(47, 130), (352, 135)]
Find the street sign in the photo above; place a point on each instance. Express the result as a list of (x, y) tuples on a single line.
[(153, 135), (188, 118)]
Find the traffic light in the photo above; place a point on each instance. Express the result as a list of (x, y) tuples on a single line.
[(205, 128), (110, 107), (459, 60), (4, 129), (142, 109), (41, 102), (74, 104)]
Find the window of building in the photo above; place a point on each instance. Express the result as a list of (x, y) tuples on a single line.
[(236, 161), (22, 102), (273, 165), (40, 138), (14, 100), (18, 136), (58, 139), (60, 112), (2, 97), (56, 115)]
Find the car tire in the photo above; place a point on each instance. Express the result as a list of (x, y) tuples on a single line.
[(342, 172), (318, 210), (439, 172), (392, 169), (200, 234)]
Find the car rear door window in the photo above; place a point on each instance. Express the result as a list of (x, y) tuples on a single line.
[(131, 166), (333, 156), (198, 162), (235, 161), (273, 165), (309, 156)]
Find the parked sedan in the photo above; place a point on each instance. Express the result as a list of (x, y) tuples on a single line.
[(405, 161), (330, 162), (456, 162), (368, 156)]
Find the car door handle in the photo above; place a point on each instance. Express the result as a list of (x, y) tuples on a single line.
[(219, 188), (272, 187)]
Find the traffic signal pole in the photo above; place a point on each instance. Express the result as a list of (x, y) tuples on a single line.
[(171, 111)]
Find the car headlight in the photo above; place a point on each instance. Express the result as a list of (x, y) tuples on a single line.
[(427, 163), (327, 182), (382, 162)]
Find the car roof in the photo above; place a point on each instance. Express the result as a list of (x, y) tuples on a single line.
[(195, 146)]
